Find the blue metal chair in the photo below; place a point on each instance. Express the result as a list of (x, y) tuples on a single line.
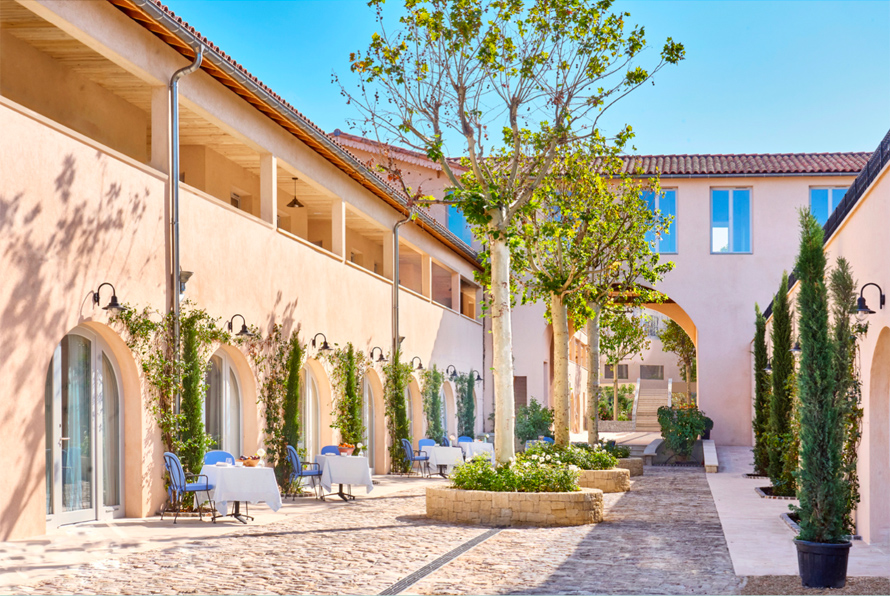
[(179, 485), (415, 455), (446, 442), (464, 439), (330, 450), (548, 440), (425, 443), (216, 456), (301, 469)]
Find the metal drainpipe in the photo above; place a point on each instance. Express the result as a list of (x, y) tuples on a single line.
[(395, 284), (173, 178)]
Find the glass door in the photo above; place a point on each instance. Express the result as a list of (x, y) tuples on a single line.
[(82, 410)]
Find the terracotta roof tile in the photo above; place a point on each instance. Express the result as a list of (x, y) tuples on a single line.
[(747, 164)]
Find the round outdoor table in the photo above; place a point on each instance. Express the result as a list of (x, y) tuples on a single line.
[(241, 483), (344, 470)]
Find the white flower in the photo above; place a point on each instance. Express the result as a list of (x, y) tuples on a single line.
[(358, 445), (574, 468), (261, 452)]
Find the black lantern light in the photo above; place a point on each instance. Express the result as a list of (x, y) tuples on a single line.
[(324, 346), (453, 375), (419, 363), (244, 332), (380, 358), (113, 304), (295, 202), (862, 309)]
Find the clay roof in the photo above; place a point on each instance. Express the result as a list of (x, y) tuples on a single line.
[(346, 139), (749, 164)]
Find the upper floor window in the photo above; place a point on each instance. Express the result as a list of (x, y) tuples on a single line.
[(823, 202), (730, 220), (608, 372), (666, 204), (458, 225)]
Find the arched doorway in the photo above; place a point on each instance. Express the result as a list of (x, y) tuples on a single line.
[(368, 420), (82, 399), (416, 420), (875, 523), (449, 407), (310, 414), (222, 404)]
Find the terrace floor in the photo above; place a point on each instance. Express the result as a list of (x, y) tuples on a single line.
[(663, 537)]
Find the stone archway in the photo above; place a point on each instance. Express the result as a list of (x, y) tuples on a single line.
[(380, 456), (874, 469)]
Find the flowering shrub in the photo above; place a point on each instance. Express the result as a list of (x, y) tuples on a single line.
[(539, 473), (585, 458)]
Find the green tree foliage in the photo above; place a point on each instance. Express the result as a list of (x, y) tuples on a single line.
[(512, 82), (533, 421), (761, 395), (432, 403), (194, 442), (291, 407), (466, 404), (823, 496), (625, 403), (681, 428), (625, 334), (675, 340), (783, 367), (842, 287), (398, 375), (586, 219), (349, 366)]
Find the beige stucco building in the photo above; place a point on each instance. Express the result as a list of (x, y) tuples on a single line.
[(285, 224)]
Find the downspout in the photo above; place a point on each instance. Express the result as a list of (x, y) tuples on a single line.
[(173, 178), (395, 283)]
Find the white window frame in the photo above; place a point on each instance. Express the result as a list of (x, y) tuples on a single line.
[(831, 205), (675, 223), (731, 190)]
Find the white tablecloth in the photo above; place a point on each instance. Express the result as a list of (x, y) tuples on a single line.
[(444, 456), (477, 447), (253, 485), (344, 469)]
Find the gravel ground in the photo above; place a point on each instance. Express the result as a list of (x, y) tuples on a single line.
[(790, 584)]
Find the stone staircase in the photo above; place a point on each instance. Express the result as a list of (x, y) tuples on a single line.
[(647, 409)]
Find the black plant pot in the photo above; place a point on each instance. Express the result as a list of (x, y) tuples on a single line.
[(707, 435), (822, 565)]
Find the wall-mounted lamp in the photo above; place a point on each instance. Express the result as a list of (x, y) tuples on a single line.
[(478, 376), (419, 363), (184, 277), (113, 304), (796, 349), (769, 366), (380, 358), (296, 202), (324, 346), (245, 332), (862, 309), (453, 374)]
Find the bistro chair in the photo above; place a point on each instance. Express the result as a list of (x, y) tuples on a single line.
[(301, 469), (217, 456), (179, 485), (425, 443), (415, 455), (330, 450), (548, 440), (446, 442), (464, 439)]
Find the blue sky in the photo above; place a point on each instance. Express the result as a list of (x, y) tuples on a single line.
[(759, 77)]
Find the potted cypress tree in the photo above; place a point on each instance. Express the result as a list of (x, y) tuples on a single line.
[(822, 546)]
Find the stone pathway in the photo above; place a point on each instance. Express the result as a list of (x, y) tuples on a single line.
[(663, 537)]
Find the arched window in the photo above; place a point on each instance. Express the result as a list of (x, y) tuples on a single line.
[(82, 404), (368, 420), (222, 405), (310, 415)]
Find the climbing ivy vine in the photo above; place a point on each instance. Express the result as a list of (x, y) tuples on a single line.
[(398, 375), (466, 404), (432, 403), (349, 367)]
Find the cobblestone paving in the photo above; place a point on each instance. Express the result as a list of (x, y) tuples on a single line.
[(663, 537)]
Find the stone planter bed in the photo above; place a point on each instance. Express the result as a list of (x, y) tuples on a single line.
[(616, 480), (486, 508), (633, 464)]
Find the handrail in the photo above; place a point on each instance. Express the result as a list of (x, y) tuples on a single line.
[(633, 415)]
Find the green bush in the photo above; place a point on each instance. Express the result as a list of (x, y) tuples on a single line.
[(625, 402), (619, 451), (680, 428), (527, 474), (533, 421), (586, 457)]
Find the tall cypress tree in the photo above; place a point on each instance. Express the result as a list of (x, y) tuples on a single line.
[(761, 395), (291, 406), (783, 368), (822, 494)]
